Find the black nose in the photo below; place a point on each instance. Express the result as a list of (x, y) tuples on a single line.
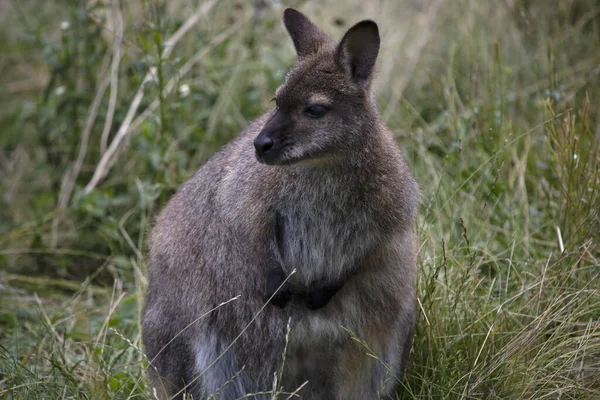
[(263, 144)]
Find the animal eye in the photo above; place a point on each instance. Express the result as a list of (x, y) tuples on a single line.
[(315, 111)]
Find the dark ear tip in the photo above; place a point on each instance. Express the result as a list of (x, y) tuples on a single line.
[(366, 26), (290, 13)]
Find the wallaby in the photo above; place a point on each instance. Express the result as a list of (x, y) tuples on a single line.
[(316, 186)]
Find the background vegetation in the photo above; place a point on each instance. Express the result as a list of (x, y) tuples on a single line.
[(496, 107)]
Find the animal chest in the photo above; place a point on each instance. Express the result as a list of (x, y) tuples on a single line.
[(322, 240)]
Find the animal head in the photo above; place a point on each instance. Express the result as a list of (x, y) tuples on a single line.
[(325, 107)]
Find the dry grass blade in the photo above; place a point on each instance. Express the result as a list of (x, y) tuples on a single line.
[(108, 158), (181, 332), (114, 73), (194, 60), (234, 341), (70, 176)]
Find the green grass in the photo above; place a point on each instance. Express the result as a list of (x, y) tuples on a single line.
[(495, 105)]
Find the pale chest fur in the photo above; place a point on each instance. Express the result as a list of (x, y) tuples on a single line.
[(323, 232)]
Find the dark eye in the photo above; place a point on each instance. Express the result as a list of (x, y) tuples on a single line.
[(315, 111)]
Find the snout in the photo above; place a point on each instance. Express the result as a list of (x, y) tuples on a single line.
[(269, 144), (263, 145), (268, 148)]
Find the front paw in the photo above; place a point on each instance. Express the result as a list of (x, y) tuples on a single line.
[(279, 294), (319, 297)]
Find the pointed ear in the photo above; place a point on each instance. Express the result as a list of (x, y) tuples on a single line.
[(306, 36), (358, 51)]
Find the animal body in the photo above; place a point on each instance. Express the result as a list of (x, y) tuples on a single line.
[(316, 185)]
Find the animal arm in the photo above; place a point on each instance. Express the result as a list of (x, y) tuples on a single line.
[(319, 295), (314, 297)]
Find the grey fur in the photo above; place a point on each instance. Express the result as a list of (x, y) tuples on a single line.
[(332, 199)]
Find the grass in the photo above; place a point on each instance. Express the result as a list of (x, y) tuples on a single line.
[(495, 105)]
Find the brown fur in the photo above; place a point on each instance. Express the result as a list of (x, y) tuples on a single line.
[(331, 198)]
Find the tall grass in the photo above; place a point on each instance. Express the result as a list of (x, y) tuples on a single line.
[(495, 105)]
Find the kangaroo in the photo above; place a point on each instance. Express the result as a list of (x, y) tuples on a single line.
[(306, 218)]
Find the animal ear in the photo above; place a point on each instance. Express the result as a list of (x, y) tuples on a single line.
[(358, 51), (306, 36)]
